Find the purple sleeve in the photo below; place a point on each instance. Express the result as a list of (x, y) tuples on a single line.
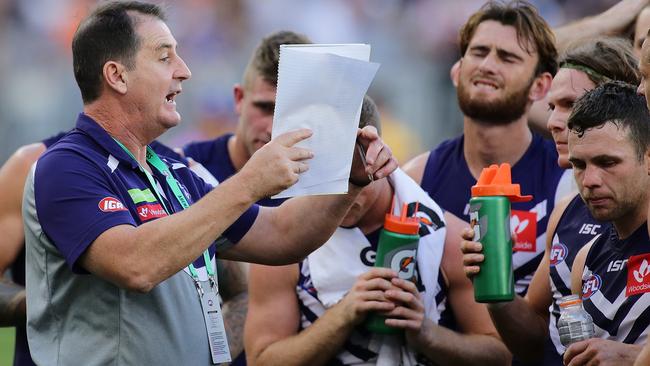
[(76, 201), (240, 227)]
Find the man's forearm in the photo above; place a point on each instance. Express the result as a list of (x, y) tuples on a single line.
[(305, 223), (316, 345), (165, 245), (447, 347), (614, 21), (521, 328), (12, 304)]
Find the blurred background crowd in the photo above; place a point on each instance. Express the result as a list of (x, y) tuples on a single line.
[(415, 41)]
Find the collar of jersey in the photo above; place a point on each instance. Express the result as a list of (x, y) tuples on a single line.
[(96, 132), (640, 235)]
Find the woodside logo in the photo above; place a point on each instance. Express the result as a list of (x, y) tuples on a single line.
[(638, 271), (111, 204)]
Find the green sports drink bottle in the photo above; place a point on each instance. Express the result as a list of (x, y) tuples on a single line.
[(397, 247), (490, 217)]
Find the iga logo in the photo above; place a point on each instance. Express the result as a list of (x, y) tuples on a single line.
[(523, 226), (111, 204), (591, 285), (638, 271), (559, 252)]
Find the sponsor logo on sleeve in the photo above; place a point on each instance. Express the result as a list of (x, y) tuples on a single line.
[(591, 285), (523, 225), (151, 211), (559, 252), (111, 204), (638, 275)]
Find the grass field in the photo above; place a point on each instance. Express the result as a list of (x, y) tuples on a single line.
[(6, 346)]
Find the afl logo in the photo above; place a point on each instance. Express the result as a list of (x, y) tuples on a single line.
[(591, 285), (559, 252), (111, 204), (403, 262)]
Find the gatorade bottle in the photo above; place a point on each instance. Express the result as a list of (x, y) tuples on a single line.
[(397, 247), (490, 216)]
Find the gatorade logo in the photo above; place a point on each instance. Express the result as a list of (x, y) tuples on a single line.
[(429, 219), (638, 275), (151, 211), (403, 262), (559, 252), (591, 285), (111, 204), (523, 225)]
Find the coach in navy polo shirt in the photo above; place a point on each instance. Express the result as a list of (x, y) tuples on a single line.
[(118, 238)]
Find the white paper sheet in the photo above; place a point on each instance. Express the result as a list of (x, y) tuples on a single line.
[(321, 87)]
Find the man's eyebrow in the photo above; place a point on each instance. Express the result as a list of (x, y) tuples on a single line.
[(164, 46), (503, 53), (574, 160)]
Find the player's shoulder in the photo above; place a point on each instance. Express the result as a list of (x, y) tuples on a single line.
[(26, 155), (415, 167)]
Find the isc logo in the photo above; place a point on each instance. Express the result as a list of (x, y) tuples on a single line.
[(590, 286), (590, 229), (559, 252), (617, 265), (111, 204)]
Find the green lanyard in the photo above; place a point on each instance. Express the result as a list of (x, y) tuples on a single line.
[(154, 160)]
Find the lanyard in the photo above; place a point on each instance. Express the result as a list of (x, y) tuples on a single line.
[(154, 160)]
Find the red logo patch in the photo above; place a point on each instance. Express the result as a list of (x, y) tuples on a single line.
[(523, 225), (111, 204), (151, 211), (638, 275)]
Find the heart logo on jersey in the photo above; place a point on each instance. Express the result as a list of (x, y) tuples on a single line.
[(638, 281), (518, 226), (523, 227), (643, 271)]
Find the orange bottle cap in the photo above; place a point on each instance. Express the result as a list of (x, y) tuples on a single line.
[(570, 302), (497, 181), (401, 224)]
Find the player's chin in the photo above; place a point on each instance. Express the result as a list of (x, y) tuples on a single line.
[(170, 119)]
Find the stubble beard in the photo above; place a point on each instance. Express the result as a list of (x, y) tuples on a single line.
[(500, 112)]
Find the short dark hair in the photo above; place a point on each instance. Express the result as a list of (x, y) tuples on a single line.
[(533, 33), (108, 33), (603, 59), (266, 56), (370, 114), (613, 102)]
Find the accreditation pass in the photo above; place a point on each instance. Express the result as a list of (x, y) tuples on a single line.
[(214, 324)]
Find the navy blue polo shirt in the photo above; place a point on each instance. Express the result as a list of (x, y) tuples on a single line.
[(87, 184)]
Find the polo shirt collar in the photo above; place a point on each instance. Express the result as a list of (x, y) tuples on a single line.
[(88, 125)]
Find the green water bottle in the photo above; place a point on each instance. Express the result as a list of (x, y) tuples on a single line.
[(489, 212), (397, 248)]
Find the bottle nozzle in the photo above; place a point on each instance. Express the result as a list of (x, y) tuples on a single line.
[(497, 181)]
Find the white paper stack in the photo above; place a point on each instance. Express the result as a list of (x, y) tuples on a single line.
[(321, 87)]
